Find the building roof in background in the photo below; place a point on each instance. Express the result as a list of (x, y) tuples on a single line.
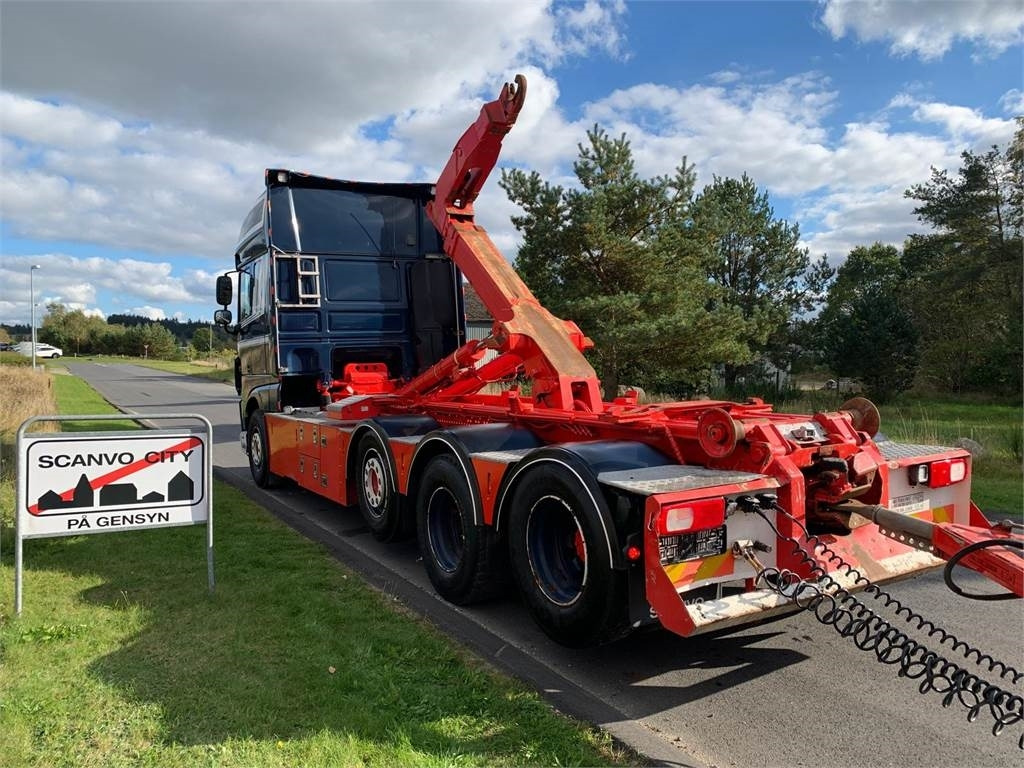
[(476, 312)]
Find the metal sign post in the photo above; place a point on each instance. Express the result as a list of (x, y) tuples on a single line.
[(72, 483)]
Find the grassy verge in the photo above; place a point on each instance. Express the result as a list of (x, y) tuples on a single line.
[(998, 481), (121, 657), (216, 370)]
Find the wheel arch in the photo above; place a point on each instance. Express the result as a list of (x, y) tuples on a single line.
[(462, 442), (584, 462), (363, 429), (263, 398), (444, 442), (384, 429)]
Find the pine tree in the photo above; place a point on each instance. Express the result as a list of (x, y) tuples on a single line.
[(612, 254)]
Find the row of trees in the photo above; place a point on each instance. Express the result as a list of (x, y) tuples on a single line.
[(77, 333), (945, 312), (679, 288)]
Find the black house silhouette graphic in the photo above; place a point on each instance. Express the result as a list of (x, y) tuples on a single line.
[(179, 488)]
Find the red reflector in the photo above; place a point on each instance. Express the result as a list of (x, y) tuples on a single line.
[(947, 472), (633, 553), (694, 515)]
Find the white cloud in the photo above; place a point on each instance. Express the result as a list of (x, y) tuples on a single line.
[(296, 77), (592, 25), (77, 282), (93, 151), (773, 131), (1012, 102), (928, 28), (846, 188), (725, 76), (965, 125), (54, 125), (153, 313)]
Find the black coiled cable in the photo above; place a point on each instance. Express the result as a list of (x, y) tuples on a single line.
[(835, 606), (947, 574)]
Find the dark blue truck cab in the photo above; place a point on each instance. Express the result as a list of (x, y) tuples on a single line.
[(332, 273)]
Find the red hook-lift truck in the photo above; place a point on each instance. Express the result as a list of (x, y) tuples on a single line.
[(357, 383)]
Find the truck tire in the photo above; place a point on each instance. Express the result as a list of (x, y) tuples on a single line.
[(560, 559), (259, 452), (458, 555), (378, 497)]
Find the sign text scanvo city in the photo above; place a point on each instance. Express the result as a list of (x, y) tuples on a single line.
[(88, 483)]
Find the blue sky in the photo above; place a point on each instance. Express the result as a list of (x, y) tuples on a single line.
[(133, 136)]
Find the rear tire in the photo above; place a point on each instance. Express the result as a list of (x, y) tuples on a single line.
[(378, 497), (259, 452), (560, 559), (458, 555)]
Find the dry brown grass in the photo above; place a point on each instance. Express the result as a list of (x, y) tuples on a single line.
[(24, 393)]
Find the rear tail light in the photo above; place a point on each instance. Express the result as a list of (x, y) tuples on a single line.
[(939, 474), (693, 515), (947, 472)]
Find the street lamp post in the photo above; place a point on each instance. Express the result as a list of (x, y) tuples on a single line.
[(32, 305)]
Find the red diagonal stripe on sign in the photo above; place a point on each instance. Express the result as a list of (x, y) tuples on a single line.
[(127, 469)]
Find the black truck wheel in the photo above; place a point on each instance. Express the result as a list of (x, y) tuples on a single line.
[(378, 496), (458, 555), (560, 559), (259, 452)]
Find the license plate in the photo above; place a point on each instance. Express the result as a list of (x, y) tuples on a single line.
[(692, 546)]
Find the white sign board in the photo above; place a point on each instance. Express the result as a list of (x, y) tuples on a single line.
[(75, 483)]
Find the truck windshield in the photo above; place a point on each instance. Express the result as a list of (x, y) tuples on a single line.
[(343, 222)]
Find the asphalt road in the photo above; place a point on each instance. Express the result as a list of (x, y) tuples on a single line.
[(786, 693)]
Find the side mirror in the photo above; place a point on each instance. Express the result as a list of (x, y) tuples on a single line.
[(224, 291), (222, 317)]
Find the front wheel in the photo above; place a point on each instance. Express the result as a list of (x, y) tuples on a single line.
[(259, 452), (378, 498), (561, 561)]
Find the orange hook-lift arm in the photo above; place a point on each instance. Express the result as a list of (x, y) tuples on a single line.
[(551, 349)]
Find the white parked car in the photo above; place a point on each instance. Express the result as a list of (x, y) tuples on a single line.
[(42, 350)]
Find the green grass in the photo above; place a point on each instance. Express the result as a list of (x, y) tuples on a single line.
[(998, 480), (14, 358), (122, 658), (76, 397)]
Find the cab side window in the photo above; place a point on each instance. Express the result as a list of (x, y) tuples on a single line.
[(253, 294)]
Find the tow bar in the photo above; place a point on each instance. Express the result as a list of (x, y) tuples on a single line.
[(833, 604)]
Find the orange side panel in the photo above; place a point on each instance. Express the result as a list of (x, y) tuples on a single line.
[(309, 439), (309, 473), (334, 481), (282, 435), (488, 478), (402, 451)]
